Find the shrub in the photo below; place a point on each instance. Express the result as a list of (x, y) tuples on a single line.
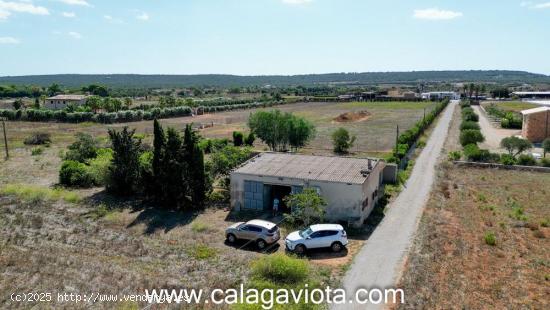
[(527, 160), (249, 140), (507, 159), (455, 155), (545, 162), (342, 141), (280, 268), (84, 148), (73, 173), (238, 138), (490, 238), (37, 151), (470, 116), (99, 166), (474, 153), (38, 139), (471, 136), (469, 125)]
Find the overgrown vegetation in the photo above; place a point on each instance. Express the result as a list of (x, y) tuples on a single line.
[(342, 141), (33, 194)]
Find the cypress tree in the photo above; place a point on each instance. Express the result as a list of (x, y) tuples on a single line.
[(124, 171)]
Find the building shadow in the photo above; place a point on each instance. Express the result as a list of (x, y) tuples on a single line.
[(153, 217)]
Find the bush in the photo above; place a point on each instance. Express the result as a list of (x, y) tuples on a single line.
[(474, 153), (249, 140), (37, 151), (238, 138), (470, 116), (455, 155), (280, 268), (545, 162), (471, 136), (76, 174), (469, 125), (38, 139), (84, 148), (342, 141), (99, 166), (490, 238), (527, 160), (507, 159)]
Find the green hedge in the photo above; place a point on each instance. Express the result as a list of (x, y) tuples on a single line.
[(409, 137)]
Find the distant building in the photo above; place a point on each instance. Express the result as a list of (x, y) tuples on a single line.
[(532, 94), (536, 124), (62, 101), (438, 95), (351, 186)]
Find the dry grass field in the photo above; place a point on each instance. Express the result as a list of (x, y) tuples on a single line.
[(511, 106), (454, 263)]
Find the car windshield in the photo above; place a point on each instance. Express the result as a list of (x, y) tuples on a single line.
[(306, 232)]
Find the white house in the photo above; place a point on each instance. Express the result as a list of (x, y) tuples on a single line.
[(62, 101), (351, 186)]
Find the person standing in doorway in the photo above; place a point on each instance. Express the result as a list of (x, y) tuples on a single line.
[(275, 206)]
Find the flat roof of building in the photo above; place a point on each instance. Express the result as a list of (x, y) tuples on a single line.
[(531, 93), (67, 97), (535, 110), (309, 167)]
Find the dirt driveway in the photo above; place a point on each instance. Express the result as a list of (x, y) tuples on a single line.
[(493, 135)]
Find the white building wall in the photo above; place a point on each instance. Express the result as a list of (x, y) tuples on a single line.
[(345, 202)]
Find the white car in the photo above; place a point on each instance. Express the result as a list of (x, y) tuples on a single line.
[(331, 236)]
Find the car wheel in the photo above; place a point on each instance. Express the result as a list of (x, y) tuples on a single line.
[(231, 238), (336, 247), (300, 249), (261, 244)]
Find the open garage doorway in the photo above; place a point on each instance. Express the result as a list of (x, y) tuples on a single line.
[(272, 192)]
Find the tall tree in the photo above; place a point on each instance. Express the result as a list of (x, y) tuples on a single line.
[(124, 170)]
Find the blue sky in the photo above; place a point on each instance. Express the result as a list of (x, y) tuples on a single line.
[(271, 36)]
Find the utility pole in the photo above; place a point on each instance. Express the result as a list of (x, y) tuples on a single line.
[(5, 137), (397, 140)]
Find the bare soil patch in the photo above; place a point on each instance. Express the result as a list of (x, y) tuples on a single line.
[(348, 117)]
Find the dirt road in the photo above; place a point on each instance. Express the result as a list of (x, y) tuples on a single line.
[(380, 262), (492, 134)]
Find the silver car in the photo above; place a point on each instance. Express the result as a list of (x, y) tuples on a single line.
[(261, 232)]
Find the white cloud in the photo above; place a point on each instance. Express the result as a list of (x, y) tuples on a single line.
[(8, 7), (76, 2), (108, 17), (143, 16), (297, 2), (68, 14), (9, 40), (436, 14), (526, 3), (75, 35), (545, 5)]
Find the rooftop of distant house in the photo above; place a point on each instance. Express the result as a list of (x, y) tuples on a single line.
[(67, 97)]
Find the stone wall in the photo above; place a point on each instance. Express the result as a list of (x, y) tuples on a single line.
[(536, 126)]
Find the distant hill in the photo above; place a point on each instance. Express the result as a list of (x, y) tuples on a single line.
[(221, 80)]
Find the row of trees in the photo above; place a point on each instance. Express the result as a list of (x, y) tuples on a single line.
[(281, 130), (470, 136), (406, 140), (173, 174)]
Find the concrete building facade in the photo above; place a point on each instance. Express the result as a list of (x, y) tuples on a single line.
[(351, 186), (62, 101), (438, 95), (536, 124)]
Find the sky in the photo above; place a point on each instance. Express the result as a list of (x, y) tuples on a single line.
[(260, 37)]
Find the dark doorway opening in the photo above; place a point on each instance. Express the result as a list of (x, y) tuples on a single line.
[(280, 192)]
